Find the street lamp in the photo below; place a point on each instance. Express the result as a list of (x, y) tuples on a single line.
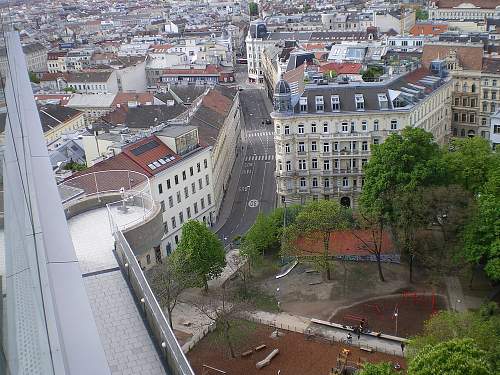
[(396, 313)]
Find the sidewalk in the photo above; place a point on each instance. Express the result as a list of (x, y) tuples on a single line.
[(455, 294), (300, 324)]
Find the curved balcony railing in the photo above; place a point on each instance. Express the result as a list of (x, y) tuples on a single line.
[(135, 204)]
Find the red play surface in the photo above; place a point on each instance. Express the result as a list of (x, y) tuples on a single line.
[(379, 314), (297, 355)]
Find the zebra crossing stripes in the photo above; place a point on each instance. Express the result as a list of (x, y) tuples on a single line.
[(260, 134), (259, 158)]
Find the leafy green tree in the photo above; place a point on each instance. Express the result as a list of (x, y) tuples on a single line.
[(421, 14), (70, 89), (470, 161), (455, 357), (317, 220), (372, 73), (330, 75), (482, 234), (33, 77), (168, 282), (253, 9), (382, 368), (397, 168), (200, 253), (482, 326)]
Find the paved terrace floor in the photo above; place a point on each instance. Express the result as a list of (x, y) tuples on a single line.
[(127, 344)]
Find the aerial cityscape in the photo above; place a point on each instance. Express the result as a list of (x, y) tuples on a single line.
[(198, 187)]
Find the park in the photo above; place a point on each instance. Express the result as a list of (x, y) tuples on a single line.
[(392, 286)]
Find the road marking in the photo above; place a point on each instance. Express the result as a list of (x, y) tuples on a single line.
[(253, 203), (252, 134), (259, 157)]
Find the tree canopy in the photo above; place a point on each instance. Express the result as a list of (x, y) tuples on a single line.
[(382, 368), (253, 9), (200, 253), (454, 357)]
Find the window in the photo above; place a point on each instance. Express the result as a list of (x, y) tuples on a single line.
[(288, 165), (315, 182), (183, 175), (314, 146), (193, 188), (326, 165), (493, 107), (394, 124), (345, 127), (465, 102), (302, 147), (302, 164), (207, 180), (472, 118), (171, 201), (176, 179), (472, 102), (496, 129), (313, 128), (202, 203), (148, 259), (360, 102), (485, 94), (465, 87), (162, 205), (195, 206), (325, 128), (336, 163), (186, 192), (287, 129), (383, 103), (320, 105), (364, 146), (375, 125), (326, 183), (160, 189), (345, 182), (352, 145), (302, 182), (280, 165), (494, 83), (301, 129), (191, 171), (181, 217), (176, 239), (174, 224), (165, 228), (375, 141), (457, 101), (335, 103), (314, 163), (198, 167), (205, 163), (485, 107), (287, 148), (493, 95), (303, 104), (363, 162), (209, 199), (178, 197), (335, 146), (473, 87), (200, 183), (464, 117), (364, 126), (326, 147)]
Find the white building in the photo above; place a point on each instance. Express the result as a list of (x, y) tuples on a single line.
[(495, 129), (96, 82), (461, 10), (323, 136)]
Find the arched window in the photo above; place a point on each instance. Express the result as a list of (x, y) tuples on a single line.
[(473, 87), (471, 133), (465, 87)]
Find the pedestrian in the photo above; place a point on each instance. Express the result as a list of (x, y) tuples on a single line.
[(359, 332), (402, 347)]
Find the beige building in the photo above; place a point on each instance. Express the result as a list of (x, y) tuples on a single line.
[(324, 135)]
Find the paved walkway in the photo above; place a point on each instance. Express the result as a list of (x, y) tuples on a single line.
[(300, 324), (455, 294)]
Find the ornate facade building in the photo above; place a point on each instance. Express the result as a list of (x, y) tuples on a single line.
[(324, 134)]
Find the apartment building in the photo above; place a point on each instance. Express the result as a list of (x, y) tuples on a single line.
[(95, 82), (35, 55), (347, 21), (324, 135), (471, 10)]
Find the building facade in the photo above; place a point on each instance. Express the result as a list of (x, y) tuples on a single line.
[(323, 137)]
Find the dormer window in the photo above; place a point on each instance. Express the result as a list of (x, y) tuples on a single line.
[(335, 103), (360, 102), (320, 105), (383, 102), (303, 104)]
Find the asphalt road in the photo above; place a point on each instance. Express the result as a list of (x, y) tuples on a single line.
[(256, 189)]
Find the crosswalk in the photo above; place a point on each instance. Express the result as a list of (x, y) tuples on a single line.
[(259, 157), (259, 134)]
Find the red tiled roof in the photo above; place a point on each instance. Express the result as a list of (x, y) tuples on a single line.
[(160, 47), (314, 46), (428, 29), (160, 150), (341, 68), (64, 98), (346, 243), (143, 98), (217, 102)]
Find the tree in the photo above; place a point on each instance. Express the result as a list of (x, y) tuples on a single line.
[(33, 77), (382, 368), (421, 14), (70, 89), (168, 282), (330, 75), (253, 9), (454, 357), (397, 168), (482, 234), (200, 253), (372, 73), (263, 235), (317, 220), (482, 326), (470, 161)]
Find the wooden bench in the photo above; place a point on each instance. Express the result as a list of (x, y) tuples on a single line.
[(260, 347), (247, 353)]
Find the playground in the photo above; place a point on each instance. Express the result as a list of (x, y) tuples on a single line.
[(402, 314), (295, 355)]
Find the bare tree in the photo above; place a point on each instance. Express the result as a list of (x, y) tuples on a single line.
[(222, 310), (167, 283)]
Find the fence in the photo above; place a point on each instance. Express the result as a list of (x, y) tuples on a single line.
[(197, 338), (323, 336)]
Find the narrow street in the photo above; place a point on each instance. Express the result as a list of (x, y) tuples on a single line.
[(252, 187)]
